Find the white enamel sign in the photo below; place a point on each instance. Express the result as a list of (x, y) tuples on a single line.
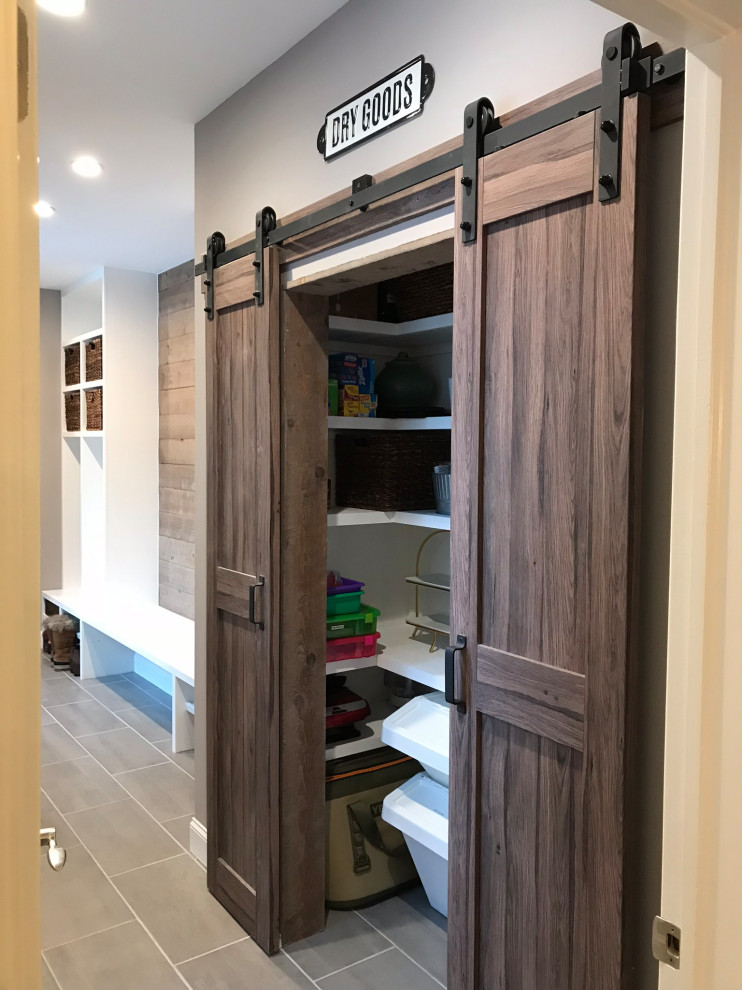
[(400, 96)]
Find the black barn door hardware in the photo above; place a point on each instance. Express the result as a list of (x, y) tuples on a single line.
[(450, 674), (620, 53), (364, 181), (479, 120), (265, 222), (251, 603), (214, 247), (628, 72)]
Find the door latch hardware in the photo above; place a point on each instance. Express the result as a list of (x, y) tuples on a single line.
[(251, 603), (479, 120), (56, 855), (621, 49), (265, 222), (450, 672), (666, 942), (214, 246), (362, 182)]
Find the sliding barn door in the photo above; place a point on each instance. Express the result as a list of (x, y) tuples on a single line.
[(546, 456), (243, 429)]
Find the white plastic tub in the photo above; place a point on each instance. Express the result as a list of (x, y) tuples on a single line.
[(420, 729), (419, 809)]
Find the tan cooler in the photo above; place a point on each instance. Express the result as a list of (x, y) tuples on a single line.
[(367, 859)]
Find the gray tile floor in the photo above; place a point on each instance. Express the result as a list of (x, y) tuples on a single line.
[(130, 910)]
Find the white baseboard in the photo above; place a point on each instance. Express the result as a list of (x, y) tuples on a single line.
[(198, 840)]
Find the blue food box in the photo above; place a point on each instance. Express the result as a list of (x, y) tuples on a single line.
[(352, 369)]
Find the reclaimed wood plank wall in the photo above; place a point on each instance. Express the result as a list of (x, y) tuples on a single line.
[(177, 439)]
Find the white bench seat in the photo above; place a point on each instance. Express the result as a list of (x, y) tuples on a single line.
[(115, 628)]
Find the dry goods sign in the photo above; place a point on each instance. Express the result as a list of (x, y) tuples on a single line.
[(399, 96)]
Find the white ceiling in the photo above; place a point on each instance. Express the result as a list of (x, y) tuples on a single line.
[(125, 83)]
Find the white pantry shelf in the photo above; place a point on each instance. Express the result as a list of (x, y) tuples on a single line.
[(370, 737), (345, 666), (91, 335), (426, 518), (95, 384), (431, 329), (409, 656), (382, 423)]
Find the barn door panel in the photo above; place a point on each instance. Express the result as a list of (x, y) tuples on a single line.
[(546, 453), (243, 403)]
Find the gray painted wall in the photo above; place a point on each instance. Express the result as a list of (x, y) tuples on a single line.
[(51, 431), (259, 146)]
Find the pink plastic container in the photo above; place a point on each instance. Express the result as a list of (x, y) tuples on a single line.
[(352, 648)]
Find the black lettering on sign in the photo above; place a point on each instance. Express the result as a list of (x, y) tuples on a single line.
[(397, 101), (376, 109), (346, 125), (408, 91), (386, 103), (366, 114), (335, 132), (353, 118)]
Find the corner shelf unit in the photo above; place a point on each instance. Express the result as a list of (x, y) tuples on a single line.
[(427, 518), (429, 330), (85, 384)]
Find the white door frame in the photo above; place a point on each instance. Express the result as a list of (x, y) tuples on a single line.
[(702, 862)]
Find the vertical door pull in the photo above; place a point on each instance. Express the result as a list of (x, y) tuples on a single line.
[(451, 674), (260, 584)]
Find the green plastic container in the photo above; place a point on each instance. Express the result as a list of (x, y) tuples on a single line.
[(360, 623), (344, 604)]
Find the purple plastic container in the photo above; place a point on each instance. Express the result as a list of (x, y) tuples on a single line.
[(346, 587)]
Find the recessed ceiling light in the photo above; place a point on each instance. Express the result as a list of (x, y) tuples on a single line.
[(65, 8), (44, 209), (87, 166)]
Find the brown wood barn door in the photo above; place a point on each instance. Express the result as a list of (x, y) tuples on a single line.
[(243, 408), (546, 455)]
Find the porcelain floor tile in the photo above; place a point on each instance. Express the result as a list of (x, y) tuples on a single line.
[(165, 791), (121, 749), (172, 901), (346, 940), (412, 924), (85, 717), (79, 784), (390, 969), (51, 817), (77, 901), (154, 721), (121, 836), (57, 745), (46, 717), (244, 967), (123, 958), (118, 695), (185, 760), (62, 691), (180, 829)]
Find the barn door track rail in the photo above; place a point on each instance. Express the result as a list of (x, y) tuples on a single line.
[(625, 70)]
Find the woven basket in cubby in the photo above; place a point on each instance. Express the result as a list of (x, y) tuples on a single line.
[(94, 359), (94, 409), (72, 364), (72, 411)]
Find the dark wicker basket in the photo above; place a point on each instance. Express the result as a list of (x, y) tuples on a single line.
[(425, 293), (94, 409), (94, 359), (390, 471), (72, 364), (72, 411)]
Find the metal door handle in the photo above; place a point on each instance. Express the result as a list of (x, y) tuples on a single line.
[(56, 855), (450, 662), (260, 584)]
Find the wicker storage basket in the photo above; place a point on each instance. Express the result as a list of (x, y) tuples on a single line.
[(425, 293), (94, 409), (390, 471), (72, 364), (94, 359), (72, 411)]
